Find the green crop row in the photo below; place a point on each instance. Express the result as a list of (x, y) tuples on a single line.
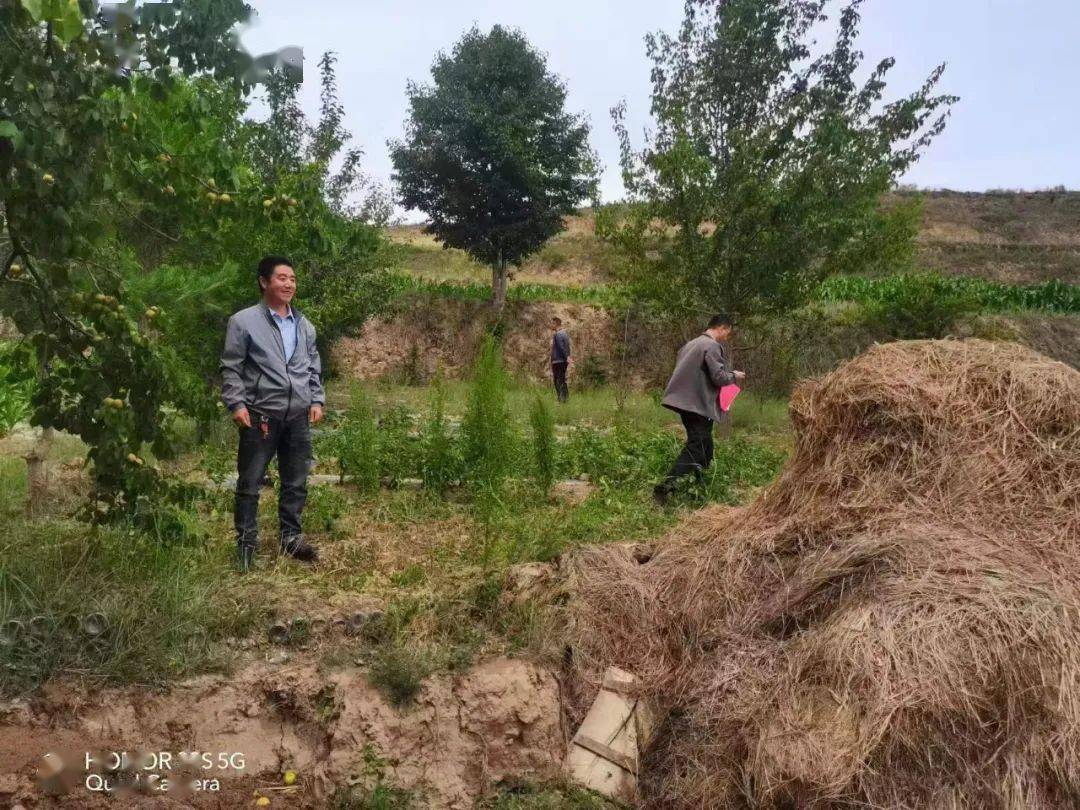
[(991, 296)]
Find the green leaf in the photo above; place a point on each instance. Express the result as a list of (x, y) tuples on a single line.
[(10, 131), (69, 26), (33, 7)]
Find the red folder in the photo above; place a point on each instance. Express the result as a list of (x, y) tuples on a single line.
[(726, 396)]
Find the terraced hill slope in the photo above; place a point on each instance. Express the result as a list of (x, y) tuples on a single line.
[(1015, 237)]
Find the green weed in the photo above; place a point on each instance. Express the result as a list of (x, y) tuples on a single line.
[(398, 671), (544, 446), (358, 442)]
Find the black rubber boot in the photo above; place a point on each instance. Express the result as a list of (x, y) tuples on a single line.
[(299, 549)]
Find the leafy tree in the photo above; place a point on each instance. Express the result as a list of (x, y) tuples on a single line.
[(490, 154), (286, 143), (280, 201), (123, 148), (768, 161), (65, 130)]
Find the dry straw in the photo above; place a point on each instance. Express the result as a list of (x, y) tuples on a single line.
[(894, 623)]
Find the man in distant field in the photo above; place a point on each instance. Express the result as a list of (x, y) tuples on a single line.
[(561, 361), (272, 382), (702, 368)]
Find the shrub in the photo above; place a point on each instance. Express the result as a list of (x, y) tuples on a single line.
[(441, 458), (544, 445), (399, 671), (398, 447), (486, 428), (487, 439), (358, 442)]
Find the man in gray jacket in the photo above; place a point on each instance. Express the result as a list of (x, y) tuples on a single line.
[(702, 368), (561, 361), (272, 382)]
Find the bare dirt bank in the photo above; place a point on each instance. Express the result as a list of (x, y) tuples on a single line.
[(462, 735)]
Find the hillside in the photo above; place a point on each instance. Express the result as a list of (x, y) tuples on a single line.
[(1010, 238), (1014, 237)]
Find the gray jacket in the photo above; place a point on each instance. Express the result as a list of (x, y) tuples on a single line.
[(560, 347), (701, 370), (254, 373)]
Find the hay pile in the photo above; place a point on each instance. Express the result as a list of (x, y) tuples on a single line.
[(896, 622)]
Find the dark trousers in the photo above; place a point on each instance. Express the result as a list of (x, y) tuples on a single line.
[(558, 372), (291, 442), (697, 453)]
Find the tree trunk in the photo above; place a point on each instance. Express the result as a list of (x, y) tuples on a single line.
[(37, 475), (498, 284)]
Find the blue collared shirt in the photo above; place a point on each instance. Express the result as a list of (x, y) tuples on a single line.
[(287, 327)]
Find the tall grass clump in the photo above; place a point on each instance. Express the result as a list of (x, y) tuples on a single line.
[(109, 604), (358, 442), (487, 436), (544, 444)]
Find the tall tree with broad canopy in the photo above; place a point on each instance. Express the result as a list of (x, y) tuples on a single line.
[(768, 161), (490, 154)]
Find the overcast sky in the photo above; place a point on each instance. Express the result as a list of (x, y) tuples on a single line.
[(1014, 63)]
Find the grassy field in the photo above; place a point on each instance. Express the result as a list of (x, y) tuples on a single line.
[(436, 563)]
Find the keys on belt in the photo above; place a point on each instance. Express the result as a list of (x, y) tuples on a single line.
[(264, 426)]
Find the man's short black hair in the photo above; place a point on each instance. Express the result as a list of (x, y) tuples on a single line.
[(557, 321), (267, 265), (719, 319)]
